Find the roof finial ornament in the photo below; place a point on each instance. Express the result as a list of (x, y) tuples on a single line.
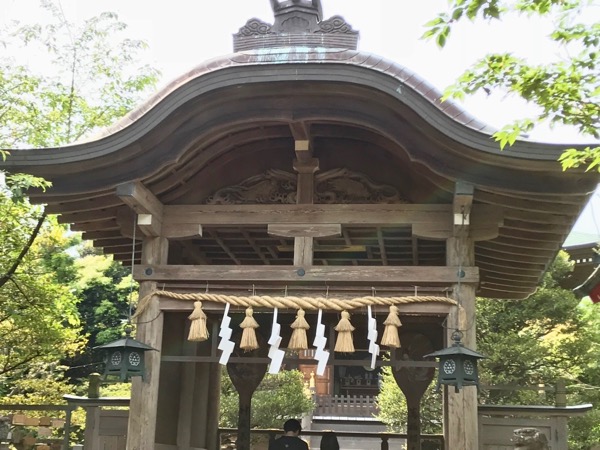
[(278, 6), (298, 23)]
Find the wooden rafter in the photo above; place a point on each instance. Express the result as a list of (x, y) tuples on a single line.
[(219, 241), (258, 251)]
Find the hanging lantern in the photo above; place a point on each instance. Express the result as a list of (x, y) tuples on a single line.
[(124, 358), (457, 364)]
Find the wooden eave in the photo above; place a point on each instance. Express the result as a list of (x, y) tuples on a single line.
[(238, 114)]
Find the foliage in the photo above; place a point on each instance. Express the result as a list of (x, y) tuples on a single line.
[(393, 410), (82, 77), (566, 90), (96, 79), (536, 341), (279, 397), (38, 321), (103, 287), (532, 341)]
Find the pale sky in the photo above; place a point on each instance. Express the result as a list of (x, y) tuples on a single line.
[(183, 33)]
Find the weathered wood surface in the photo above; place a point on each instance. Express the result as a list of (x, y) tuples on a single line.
[(144, 394), (304, 230), (367, 214), (429, 275), (461, 429), (413, 382)]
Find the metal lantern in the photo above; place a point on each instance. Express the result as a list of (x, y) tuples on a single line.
[(457, 364), (124, 358)]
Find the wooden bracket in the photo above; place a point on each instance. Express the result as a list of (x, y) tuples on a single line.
[(145, 204), (305, 229), (461, 207)]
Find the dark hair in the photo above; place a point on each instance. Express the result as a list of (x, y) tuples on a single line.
[(329, 441), (292, 425)]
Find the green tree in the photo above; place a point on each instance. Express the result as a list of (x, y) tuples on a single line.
[(566, 90), (92, 78), (279, 397), (393, 410), (536, 341), (104, 289), (548, 336), (39, 322)]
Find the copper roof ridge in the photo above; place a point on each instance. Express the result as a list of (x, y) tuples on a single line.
[(295, 55)]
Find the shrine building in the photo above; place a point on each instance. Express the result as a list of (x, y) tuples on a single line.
[(301, 174)]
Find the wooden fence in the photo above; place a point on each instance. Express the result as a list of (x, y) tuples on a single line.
[(345, 406)]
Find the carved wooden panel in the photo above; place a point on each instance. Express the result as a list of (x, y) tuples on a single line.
[(332, 186)]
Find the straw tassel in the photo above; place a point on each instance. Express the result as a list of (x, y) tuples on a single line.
[(344, 343), (198, 330), (390, 337), (249, 325), (298, 341)]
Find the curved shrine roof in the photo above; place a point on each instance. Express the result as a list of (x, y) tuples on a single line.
[(235, 117)]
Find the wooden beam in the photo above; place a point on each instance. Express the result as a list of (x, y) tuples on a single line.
[(87, 205), (303, 150), (402, 275), (306, 168), (303, 251), (482, 224), (225, 248), (104, 225), (305, 230), (140, 199), (299, 130), (145, 204), (415, 250), (429, 221), (461, 208), (149, 225), (381, 243), (255, 247), (348, 242), (351, 214), (324, 248), (183, 231)]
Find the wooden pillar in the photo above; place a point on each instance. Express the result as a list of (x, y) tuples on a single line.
[(303, 245), (141, 432), (186, 397), (214, 400), (460, 409)]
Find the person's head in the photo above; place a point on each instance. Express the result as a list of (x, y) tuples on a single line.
[(292, 426), (329, 441)]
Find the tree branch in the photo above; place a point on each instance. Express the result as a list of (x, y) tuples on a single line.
[(6, 276)]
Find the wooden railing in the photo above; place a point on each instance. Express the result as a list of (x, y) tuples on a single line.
[(345, 406), (380, 441)]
